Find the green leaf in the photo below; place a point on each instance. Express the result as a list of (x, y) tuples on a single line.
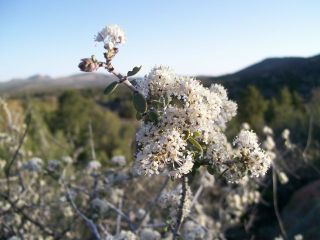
[(153, 116), (112, 86), (195, 144), (139, 102), (196, 134), (134, 71)]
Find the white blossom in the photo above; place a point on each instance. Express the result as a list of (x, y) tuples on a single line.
[(119, 160), (93, 165), (186, 108), (298, 237), (286, 137), (165, 152), (285, 134), (269, 143), (111, 35), (67, 159), (267, 130), (249, 157), (283, 178), (246, 139), (278, 238), (245, 126)]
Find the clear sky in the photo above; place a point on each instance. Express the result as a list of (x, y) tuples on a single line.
[(208, 37)]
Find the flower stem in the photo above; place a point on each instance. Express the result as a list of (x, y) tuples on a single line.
[(181, 206)]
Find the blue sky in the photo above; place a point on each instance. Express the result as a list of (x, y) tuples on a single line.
[(208, 37)]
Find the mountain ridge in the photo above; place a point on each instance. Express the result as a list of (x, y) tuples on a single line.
[(46, 83), (301, 74)]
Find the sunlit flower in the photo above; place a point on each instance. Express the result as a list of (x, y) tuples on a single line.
[(267, 130), (283, 178), (111, 35)]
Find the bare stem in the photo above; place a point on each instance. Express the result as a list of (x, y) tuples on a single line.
[(275, 204), (196, 196), (180, 209), (119, 215), (93, 152), (122, 78), (8, 168), (93, 228)]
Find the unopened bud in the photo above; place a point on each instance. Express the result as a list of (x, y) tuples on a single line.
[(88, 65)]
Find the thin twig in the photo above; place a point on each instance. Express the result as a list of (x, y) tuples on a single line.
[(275, 204), (118, 228), (93, 152), (91, 225), (180, 209), (122, 78), (15, 155), (124, 216), (196, 196)]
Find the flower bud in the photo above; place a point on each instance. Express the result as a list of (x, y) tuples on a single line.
[(88, 65)]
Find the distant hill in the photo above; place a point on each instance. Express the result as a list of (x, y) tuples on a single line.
[(269, 75), (45, 83)]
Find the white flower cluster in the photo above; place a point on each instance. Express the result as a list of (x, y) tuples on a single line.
[(283, 178), (162, 150), (111, 36), (270, 146), (171, 200), (286, 137), (296, 237), (93, 166), (237, 204), (184, 105), (249, 157), (269, 143)]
